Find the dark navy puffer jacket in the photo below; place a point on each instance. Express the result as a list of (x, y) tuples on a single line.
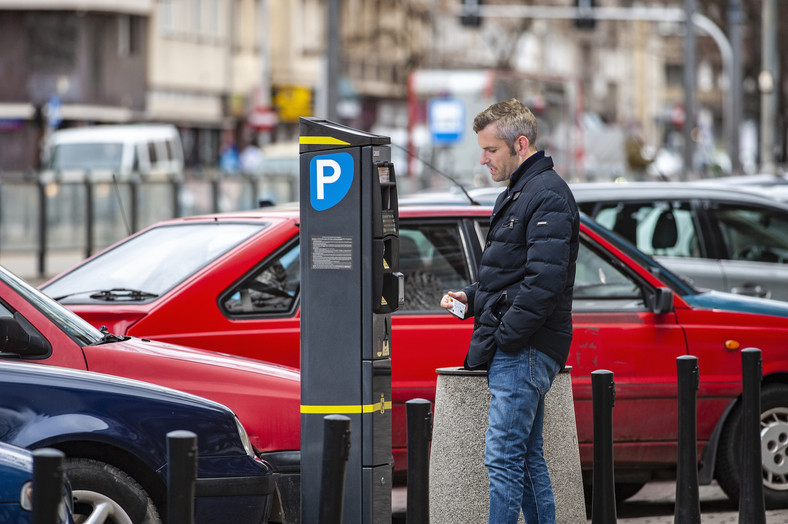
[(527, 272)]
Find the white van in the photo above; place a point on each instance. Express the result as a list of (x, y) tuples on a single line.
[(147, 149)]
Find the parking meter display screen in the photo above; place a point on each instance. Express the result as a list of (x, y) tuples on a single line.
[(384, 176)]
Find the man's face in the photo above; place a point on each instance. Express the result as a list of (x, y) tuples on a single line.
[(496, 155)]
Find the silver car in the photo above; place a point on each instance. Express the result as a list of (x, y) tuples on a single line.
[(720, 237)]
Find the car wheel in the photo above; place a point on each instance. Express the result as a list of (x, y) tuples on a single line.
[(774, 449), (106, 495)]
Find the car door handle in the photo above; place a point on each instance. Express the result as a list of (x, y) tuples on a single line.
[(752, 290)]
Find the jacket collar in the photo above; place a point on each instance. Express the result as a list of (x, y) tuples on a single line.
[(527, 163), (532, 166)]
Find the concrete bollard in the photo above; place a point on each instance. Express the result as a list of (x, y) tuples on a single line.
[(458, 478)]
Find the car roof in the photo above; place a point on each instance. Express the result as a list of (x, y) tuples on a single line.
[(121, 133), (612, 191), (290, 211), (616, 191)]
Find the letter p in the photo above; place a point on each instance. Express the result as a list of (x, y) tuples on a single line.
[(322, 178)]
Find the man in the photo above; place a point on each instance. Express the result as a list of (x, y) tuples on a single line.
[(522, 308)]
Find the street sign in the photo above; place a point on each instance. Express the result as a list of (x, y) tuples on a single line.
[(446, 120), (54, 111), (263, 119)]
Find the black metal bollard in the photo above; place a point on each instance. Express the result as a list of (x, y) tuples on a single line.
[(419, 438), (751, 504), (687, 494), (336, 451), (47, 485), (181, 476), (603, 501)]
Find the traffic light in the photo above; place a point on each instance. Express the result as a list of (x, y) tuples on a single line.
[(470, 16), (585, 14)]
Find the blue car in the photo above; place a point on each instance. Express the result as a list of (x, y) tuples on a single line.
[(113, 432), (16, 488)]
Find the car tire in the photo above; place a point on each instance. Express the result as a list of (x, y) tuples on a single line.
[(100, 487), (774, 427)]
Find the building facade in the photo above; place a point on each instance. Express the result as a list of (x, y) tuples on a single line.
[(231, 72)]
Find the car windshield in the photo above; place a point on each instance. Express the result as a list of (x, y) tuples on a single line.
[(149, 264), (69, 322), (104, 156), (676, 283)]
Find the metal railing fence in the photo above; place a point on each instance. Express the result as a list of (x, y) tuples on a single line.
[(42, 217)]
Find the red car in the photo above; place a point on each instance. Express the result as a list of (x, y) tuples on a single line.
[(265, 397), (230, 283)]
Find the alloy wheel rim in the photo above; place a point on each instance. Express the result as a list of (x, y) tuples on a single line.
[(102, 509), (774, 448)]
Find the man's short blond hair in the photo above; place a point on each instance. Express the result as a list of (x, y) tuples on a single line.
[(514, 119)]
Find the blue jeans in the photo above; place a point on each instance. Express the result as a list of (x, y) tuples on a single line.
[(513, 452)]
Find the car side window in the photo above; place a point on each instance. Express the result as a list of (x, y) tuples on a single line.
[(433, 260), (601, 285), (752, 234), (598, 284), (657, 228), (271, 289), (5, 312), (153, 155)]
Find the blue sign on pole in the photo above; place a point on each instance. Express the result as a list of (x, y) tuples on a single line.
[(54, 112), (446, 120), (330, 178)]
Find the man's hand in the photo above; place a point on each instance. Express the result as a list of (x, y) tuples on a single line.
[(447, 302)]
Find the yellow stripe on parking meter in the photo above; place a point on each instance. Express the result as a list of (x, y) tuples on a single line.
[(348, 410), (322, 140)]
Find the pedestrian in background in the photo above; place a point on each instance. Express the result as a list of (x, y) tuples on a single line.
[(521, 307)]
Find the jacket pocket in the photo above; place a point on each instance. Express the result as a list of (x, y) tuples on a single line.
[(482, 346)]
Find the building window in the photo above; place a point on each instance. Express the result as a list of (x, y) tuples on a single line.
[(196, 28), (313, 28), (167, 17), (211, 24), (129, 35), (674, 74)]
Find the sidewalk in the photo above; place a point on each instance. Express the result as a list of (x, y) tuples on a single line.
[(654, 504)]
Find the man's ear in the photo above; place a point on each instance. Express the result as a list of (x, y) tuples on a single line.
[(522, 144)]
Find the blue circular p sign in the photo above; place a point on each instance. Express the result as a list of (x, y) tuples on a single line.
[(330, 178)]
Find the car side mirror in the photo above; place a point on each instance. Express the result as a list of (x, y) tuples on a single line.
[(662, 301), (18, 338)]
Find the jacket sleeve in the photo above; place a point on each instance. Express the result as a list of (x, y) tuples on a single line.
[(548, 238)]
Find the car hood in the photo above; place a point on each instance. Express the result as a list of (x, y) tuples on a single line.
[(201, 356), (720, 300), (265, 397), (118, 320)]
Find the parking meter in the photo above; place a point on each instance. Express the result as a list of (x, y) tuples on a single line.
[(350, 284)]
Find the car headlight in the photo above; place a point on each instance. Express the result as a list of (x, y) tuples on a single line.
[(26, 496), (244, 438), (26, 501)]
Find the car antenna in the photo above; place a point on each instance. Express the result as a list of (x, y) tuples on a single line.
[(441, 173), (120, 203)]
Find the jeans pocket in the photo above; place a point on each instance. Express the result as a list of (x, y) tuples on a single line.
[(543, 370)]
